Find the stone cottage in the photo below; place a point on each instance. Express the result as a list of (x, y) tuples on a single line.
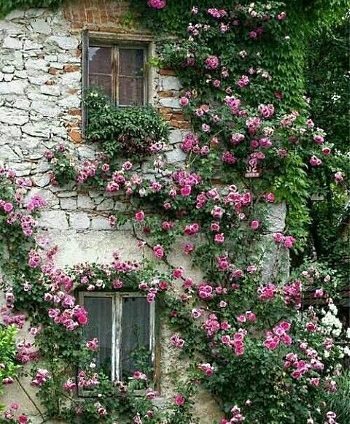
[(47, 59)]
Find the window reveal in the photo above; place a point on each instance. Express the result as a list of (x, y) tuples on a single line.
[(124, 325)]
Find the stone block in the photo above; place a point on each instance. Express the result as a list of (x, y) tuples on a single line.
[(15, 15), (31, 45), (106, 205), (23, 169), (42, 180), (12, 43), (11, 132), (175, 156), (17, 60), (100, 223), (53, 219), (13, 87), (79, 220), (84, 202), (71, 101), (69, 203), (7, 154), (41, 26), (21, 74), (45, 108), (13, 116), (8, 69), (21, 103), (276, 217), (169, 83), (71, 193), (37, 129), (37, 64), (63, 42), (176, 136), (170, 102)]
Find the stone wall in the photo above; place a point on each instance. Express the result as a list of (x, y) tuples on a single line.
[(40, 103)]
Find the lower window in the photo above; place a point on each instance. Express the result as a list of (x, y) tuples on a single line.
[(124, 324)]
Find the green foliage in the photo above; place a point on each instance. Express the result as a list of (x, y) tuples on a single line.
[(339, 401), (293, 188), (7, 6), (8, 368), (328, 81), (62, 165), (133, 132)]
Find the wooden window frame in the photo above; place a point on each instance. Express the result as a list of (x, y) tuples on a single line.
[(117, 42), (117, 299)]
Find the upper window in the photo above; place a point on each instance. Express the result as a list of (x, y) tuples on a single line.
[(123, 323), (119, 70)]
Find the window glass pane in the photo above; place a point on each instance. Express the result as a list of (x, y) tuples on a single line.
[(100, 69), (104, 82), (130, 91), (135, 342), (100, 326), (100, 60), (131, 62)]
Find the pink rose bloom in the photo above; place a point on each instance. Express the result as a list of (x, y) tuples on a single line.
[(117, 284), (179, 399), (315, 381), (23, 419), (219, 238), (318, 139), (212, 62), (82, 319), (254, 225), (139, 216), (92, 344), (250, 316), (207, 369), (285, 325), (217, 212), (289, 242), (338, 177), (205, 128), (158, 251), (184, 101), (188, 248), (278, 237), (167, 225), (271, 343), (251, 269), (156, 4), (243, 81), (178, 272), (8, 207), (185, 191), (196, 313), (241, 318), (315, 161), (269, 197), (281, 16), (326, 151), (225, 340), (229, 158), (311, 327)]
